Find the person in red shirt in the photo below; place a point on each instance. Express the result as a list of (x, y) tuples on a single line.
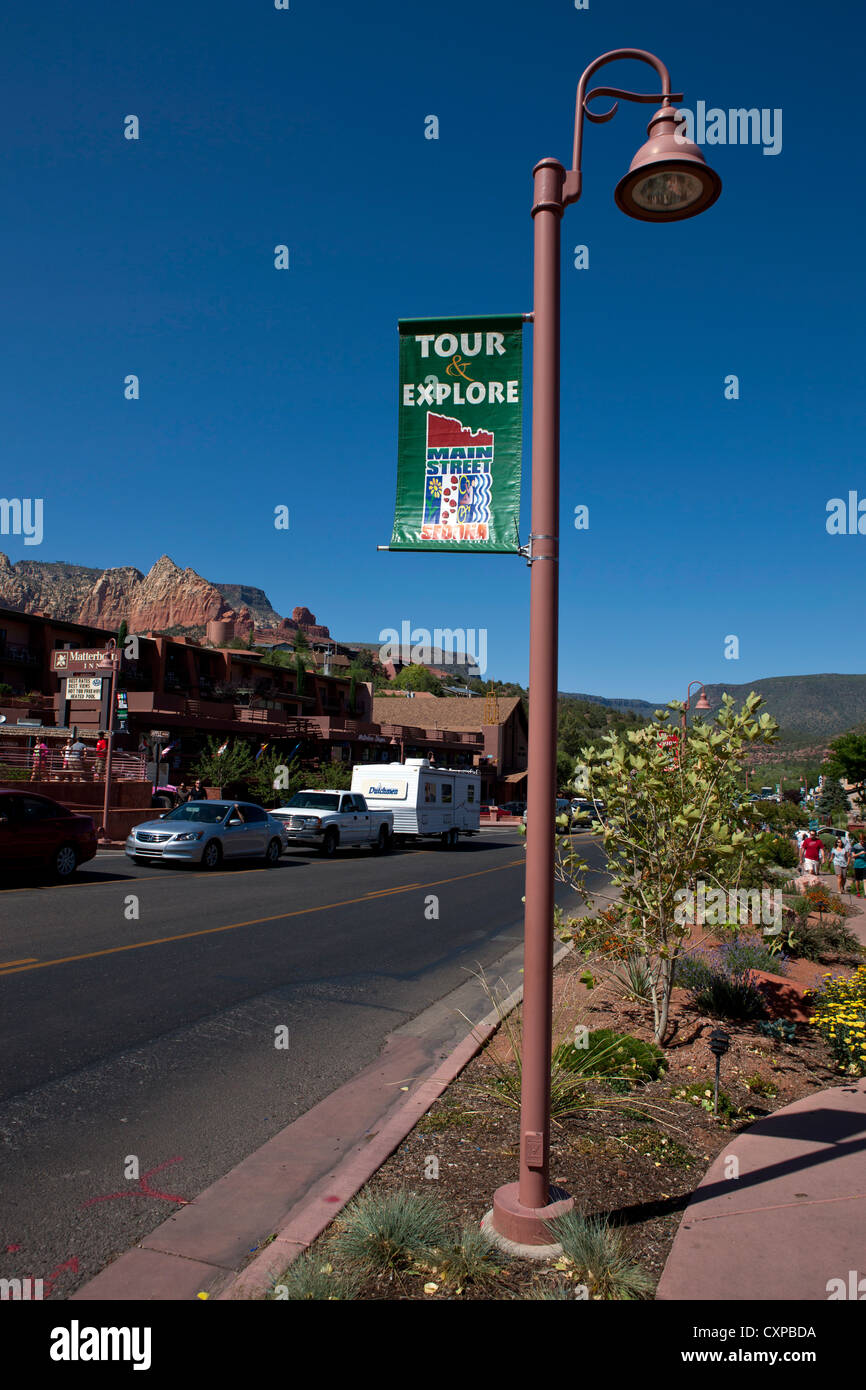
[(101, 751), (813, 854)]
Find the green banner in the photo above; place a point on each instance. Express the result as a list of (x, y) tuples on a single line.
[(460, 434)]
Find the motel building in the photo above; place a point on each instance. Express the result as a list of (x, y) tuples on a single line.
[(177, 693)]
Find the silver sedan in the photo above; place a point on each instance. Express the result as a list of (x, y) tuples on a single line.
[(206, 833)]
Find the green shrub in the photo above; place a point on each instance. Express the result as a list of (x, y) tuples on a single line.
[(388, 1231), (782, 851), (471, 1259), (617, 1056), (730, 996), (779, 1029), (825, 941), (759, 1085), (597, 1251), (311, 1277)]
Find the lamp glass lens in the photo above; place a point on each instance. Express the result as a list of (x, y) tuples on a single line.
[(672, 189)]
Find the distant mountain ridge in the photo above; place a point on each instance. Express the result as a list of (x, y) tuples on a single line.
[(642, 707), (809, 709), (166, 598)]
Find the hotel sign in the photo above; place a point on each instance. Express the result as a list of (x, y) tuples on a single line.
[(73, 662), (84, 688)]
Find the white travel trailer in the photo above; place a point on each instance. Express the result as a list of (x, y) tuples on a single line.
[(443, 802)]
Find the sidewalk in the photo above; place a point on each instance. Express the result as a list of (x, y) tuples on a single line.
[(782, 1210)]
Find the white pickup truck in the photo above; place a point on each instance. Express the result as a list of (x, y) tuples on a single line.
[(326, 820)]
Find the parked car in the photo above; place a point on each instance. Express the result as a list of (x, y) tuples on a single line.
[(327, 819), (513, 808), (206, 832), (38, 832)]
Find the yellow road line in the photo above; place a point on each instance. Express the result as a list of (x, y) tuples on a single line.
[(25, 960), (252, 922)]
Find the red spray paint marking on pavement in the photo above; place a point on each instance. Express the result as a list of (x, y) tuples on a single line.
[(144, 1189)]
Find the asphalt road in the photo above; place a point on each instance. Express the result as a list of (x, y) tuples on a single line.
[(140, 1009)]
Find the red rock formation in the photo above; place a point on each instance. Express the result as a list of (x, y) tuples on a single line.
[(165, 597), (307, 620)]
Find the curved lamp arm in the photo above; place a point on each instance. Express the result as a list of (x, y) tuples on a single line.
[(574, 178)]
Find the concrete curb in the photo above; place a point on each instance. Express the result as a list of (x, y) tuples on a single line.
[(311, 1216)]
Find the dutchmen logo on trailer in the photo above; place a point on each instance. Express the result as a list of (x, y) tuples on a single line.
[(460, 434)]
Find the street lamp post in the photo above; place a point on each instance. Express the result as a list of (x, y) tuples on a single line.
[(108, 667), (702, 703), (668, 180)]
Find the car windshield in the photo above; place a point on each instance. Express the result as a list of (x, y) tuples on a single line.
[(315, 801), (205, 812)]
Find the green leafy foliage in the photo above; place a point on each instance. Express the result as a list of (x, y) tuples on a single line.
[(619, 1056), (417, 678), (673, 815)]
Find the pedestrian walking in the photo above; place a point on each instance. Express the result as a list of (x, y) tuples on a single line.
[(67, 753), (812, 851), (101, 752), (39, 765), (840, 856), (858, 860), (199, 791)]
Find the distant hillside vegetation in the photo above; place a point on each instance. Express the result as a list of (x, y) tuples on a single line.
[(810, 709)]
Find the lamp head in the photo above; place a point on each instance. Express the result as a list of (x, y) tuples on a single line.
[(702, 701), (668, 179)]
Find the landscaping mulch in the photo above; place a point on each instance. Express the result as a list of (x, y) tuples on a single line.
[(634, 1157)]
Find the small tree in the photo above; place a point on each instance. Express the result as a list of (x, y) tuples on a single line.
[(673, 817), (301, 643), (235, 764), (416, 677), (848, 758), (833, 801)]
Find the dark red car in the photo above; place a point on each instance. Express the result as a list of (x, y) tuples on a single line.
[(36, 832)]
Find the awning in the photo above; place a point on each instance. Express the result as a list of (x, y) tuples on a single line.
[(514, 777)]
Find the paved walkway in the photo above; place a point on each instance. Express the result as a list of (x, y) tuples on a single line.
[(782, 1211)]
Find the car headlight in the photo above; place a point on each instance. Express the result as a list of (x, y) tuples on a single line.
[(312, 821), (190, 835)]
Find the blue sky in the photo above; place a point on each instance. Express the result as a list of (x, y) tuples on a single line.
[(261, 387)]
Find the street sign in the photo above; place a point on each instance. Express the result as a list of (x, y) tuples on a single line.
[(160, 735), (460, 419), (669, 747)]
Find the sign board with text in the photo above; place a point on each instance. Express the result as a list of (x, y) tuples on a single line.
[(84, 687), (459, 434), (72, 662)]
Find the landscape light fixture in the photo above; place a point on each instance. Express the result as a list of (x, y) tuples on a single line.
[(668, 180), (720, 1041)]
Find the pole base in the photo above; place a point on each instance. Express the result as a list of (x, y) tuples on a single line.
[(526, 1225)]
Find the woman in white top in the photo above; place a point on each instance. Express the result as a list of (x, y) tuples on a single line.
[(841, 858)]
